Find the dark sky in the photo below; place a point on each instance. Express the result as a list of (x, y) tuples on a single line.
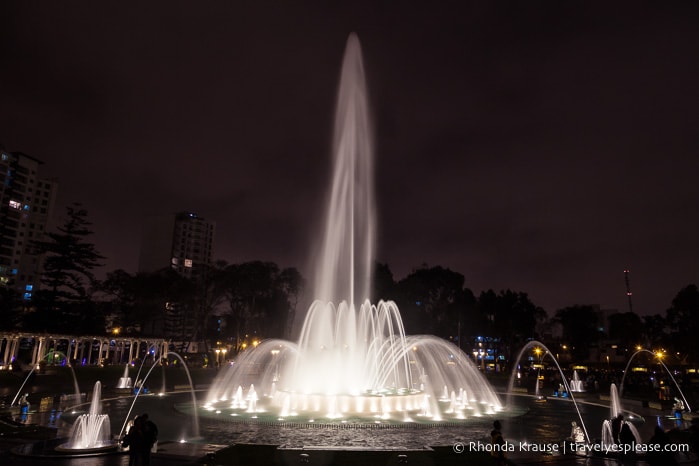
[(540, 147)]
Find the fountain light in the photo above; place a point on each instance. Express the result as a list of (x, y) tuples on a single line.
[(90, 431), (352, 356)]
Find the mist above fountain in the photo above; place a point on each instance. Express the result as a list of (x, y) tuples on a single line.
[(353, 357)]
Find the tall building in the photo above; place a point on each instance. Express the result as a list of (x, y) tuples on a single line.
[(26, 204), (182, 241)]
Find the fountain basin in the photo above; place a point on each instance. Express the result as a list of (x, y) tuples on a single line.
[(67, 449)]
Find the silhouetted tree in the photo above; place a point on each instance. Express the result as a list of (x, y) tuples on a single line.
[(210, 292), (626, 328), (683, 321), (430, 301), (384, 286), (580, 328), (291, 283), (260, 299), (64, 301), (655, 331), (119, 296), (11, 308), (512, 318)]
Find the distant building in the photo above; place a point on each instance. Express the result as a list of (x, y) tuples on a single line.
[(26, 205), (182, 241)]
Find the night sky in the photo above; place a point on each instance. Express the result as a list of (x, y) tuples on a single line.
[(540, 147)]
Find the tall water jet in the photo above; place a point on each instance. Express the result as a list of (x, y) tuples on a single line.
[(125, 380), (615, 411), (343, 269), (91, 431), (353, 357), (576, 385)]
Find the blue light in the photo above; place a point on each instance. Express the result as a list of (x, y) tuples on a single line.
[(29, 287), (27, 296)]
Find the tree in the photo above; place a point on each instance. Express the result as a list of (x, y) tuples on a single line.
[(261, 299), (118, 288), (512, 318), (11, 308), (683, 321), (64, 301), (654, 331), (580, 328), (291, 283), (430, 300), (384, 286), (626, 328), (210, 292)]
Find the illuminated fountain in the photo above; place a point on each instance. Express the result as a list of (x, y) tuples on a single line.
[(353, 358), (125, 380), (615, 411), (91, 431), (576, 385)]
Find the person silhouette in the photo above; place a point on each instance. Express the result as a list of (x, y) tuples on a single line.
[(497, 443), (150, 438), (134, 439)]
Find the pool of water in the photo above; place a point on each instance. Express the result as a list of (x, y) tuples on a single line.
[(531, 421)]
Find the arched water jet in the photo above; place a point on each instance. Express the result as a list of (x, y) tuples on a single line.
[(533, 344), (626, 369), (195, 415), (72, 371), (138, 393)]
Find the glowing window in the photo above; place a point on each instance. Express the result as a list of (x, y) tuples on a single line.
[(188, 262), (15, 205)]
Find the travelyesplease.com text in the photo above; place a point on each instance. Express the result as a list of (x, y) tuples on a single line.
[(570, 447)]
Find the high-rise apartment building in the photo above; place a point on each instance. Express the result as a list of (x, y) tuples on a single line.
[(182, 241), (26, 204)]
